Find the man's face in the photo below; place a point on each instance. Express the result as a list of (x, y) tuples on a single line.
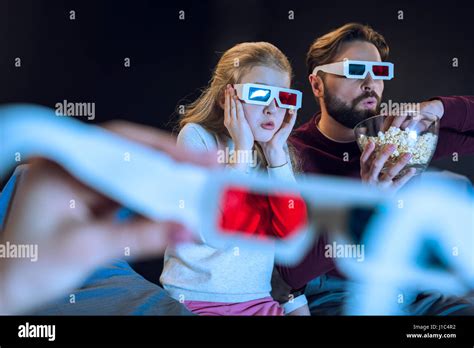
[(350, 101)]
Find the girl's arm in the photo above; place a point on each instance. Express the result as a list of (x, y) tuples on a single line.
[(193, 137)]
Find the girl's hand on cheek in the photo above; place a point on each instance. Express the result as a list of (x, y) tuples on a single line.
[(235, 121), (273, 149)]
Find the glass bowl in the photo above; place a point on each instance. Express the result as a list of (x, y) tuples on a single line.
[(411, 132)]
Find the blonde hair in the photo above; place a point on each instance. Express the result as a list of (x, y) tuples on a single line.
[(232, 66)]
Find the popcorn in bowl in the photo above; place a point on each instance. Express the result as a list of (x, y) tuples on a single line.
[(421, 147)]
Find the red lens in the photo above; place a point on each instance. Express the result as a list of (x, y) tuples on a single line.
[(287, 98), (264, 216), (380, 70)]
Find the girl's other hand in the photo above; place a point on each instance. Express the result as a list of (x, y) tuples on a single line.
[(274, 149)]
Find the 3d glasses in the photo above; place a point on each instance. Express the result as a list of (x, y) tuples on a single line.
[(224, 209), (286, 217), (358, 69), (253, 93), (229, 209)]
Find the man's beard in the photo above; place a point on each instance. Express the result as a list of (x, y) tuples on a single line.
[(347, 115)]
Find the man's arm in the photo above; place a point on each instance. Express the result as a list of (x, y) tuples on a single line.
[(458, 113), (456, 133)]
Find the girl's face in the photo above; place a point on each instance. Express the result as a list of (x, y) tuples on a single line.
[(265, 121)]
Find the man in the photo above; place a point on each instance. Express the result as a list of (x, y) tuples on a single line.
[(325, 139), (326, 145)]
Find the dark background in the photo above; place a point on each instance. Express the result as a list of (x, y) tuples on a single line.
[(82, 60)]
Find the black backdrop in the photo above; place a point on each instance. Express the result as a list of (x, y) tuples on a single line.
[(82, 60)]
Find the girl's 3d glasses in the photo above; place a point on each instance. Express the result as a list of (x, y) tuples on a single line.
[(253, 93), (358, 69)]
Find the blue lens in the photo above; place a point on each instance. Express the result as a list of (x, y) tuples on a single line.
[(356, 69), (259, 94)]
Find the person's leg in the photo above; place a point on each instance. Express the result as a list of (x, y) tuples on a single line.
[(115, 289), (435, 303), (260, 307), (326, 295)]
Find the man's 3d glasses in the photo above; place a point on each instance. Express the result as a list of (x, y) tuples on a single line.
[(358, 69)]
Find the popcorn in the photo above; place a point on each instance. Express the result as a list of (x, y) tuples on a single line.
[(421, 147)]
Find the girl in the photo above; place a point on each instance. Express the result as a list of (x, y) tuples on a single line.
[(221, 282)]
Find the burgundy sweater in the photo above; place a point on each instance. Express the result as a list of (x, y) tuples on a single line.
[(320, 155)]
